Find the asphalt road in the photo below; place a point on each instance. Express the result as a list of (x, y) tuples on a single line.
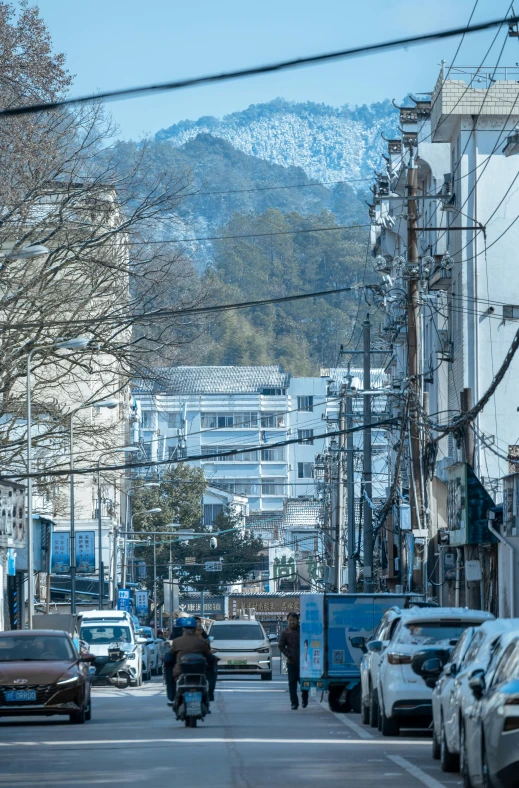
[(252, 739)]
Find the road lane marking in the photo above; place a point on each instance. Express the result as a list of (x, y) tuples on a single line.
[(246, 690), (364, 734), (215, 740), (415, 771)]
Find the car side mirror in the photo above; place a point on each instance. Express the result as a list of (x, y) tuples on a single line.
[(87, 658), (451, 669), (141, 641), (429, 664), (273, 638), (150, 641), (477, 685), (374, 645), (359, 642), (210, 638)]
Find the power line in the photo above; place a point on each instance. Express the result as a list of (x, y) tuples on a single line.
[(283, 65), (192, 458), (248, 235), (162, 313)]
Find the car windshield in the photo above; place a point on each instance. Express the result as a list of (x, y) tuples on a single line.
[(37, 648), (145, 632), (101, 634), (426, 633), (238, 632)]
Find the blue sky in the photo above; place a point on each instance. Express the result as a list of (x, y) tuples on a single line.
[(120, 43)]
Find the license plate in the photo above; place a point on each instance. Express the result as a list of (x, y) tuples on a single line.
[(193, 703), (236, 661), (193, 697), (18, 695)]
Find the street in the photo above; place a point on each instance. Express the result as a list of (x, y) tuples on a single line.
[(252, 739)]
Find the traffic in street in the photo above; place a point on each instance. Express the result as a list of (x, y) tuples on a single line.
[(252, 738)]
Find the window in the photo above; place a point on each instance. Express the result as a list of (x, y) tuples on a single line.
[(276, 454), (305, 436), (273, 392), (103, 634), (211, 511), (230, 420), (241, 456), (305, 403), (238, 486), (305, 470), (427, 633), (174, 420), (272, 420), (510, 312), (146, 419), (273, 486)]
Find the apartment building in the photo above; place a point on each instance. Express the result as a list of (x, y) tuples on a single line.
[(458, 140)]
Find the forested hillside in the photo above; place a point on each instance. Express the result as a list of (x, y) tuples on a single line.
[(253, 188)]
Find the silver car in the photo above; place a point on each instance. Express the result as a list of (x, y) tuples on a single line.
[(491, 735), (241, 647)]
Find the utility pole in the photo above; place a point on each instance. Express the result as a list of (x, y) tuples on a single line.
[(339, 500), (368, 492), (350, 483), (413, 342), (72, 524)]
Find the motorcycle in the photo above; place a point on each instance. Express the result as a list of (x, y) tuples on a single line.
[(110, 669), (192, 694)]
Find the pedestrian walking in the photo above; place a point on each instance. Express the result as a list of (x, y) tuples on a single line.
[(289, 641)]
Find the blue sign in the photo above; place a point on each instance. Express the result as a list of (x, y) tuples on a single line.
[(11, 562), (141, 603), (60, 553), (85, 552), (124, 601)]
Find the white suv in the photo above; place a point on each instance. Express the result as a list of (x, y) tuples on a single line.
[(403, 696), (99, 628), (241, 647), (370, 664)]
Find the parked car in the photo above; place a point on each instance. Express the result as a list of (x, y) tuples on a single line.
[(404, 698), (490, 732), (41, 673), (151, 651), (370, 664), (101, 628), (452, 695), (242, 647)]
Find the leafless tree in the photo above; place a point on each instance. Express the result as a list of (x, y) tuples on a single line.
[(108, 225)]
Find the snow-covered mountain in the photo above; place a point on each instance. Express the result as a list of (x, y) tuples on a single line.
[(326, 142)]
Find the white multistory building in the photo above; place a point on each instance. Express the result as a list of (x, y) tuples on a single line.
[(458, 138)]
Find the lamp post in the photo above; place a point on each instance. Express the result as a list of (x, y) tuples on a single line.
[(109, 403), (129, 450), (71, 344)]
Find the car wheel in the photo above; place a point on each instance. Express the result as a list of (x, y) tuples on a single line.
[(435, 746), (338, 699), (266, 676), (78, 717), (364, 714), (373, 710), (450, 762), (389, 726)]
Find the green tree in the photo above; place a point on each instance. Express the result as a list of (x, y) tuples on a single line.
[(179, 496)]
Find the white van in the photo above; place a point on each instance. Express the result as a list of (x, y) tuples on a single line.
[(100, 628)]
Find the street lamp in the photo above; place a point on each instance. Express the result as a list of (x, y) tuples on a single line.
[(26, 253), (108, 403), (74, 344), (129, 450)]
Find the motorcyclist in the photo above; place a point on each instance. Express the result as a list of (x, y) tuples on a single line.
[(169, 661), (188, 643)]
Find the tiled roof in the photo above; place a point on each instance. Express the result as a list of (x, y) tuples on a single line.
[(298, 513), (214, 380)]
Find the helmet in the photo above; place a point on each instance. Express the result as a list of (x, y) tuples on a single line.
[(189, 622)]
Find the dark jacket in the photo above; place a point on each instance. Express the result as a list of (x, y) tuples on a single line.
[(188, 644), (289, 645)]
